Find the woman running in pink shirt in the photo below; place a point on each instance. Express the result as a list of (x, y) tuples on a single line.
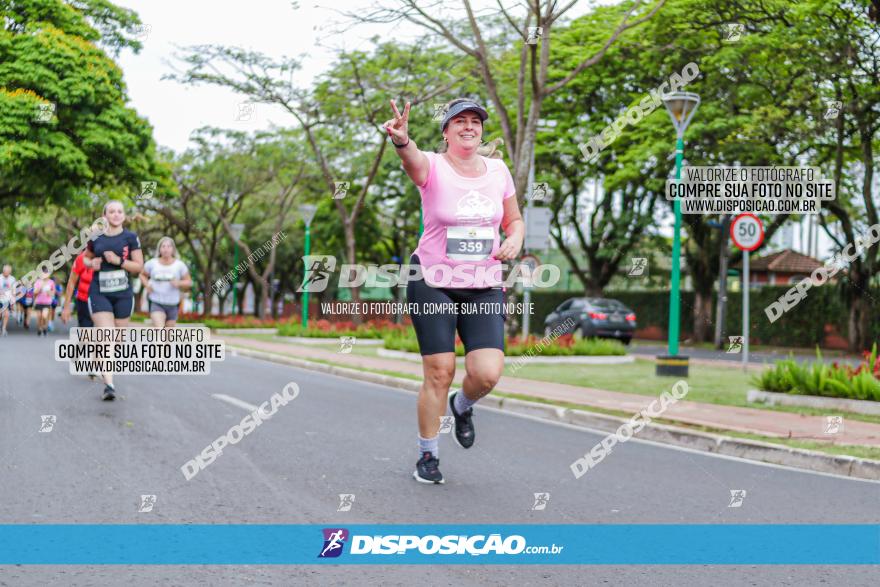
[(466, 197), (44, 293)]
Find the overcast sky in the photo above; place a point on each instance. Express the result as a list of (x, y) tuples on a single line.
[(273, 27)]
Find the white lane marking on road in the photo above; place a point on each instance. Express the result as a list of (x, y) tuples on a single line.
[(235, 401)]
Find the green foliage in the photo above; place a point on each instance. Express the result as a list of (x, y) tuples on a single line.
[(799, 327), (65, 129), (565, 348), (326, 329), (405, 340), (818, 378)]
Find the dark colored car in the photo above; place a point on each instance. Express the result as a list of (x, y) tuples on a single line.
[(593, 317)]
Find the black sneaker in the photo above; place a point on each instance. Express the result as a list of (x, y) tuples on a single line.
[(109, 394), (427, 471), (464, 425)]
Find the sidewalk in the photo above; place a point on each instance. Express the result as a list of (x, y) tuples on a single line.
[(752, 420)]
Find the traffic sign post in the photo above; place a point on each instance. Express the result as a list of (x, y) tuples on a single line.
[(537, 228), (747, 233)]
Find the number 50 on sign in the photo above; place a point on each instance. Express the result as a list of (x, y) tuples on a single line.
[(747, 232)]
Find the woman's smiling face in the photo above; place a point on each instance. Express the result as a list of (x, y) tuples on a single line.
[(464, 131), (114, 213)]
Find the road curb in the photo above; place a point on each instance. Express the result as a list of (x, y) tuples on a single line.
[(859, 406), (536, 360), (753, 450)]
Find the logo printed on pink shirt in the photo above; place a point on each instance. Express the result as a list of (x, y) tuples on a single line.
[(475, 208)]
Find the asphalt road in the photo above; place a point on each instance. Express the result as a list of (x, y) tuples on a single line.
[(343, 436)]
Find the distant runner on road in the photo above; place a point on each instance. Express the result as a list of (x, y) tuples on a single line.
[(44, 293), (80, 280), (112, 256), (164, 277), (7, 296)]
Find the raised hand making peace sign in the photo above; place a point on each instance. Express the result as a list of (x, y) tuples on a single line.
[(397, 126)]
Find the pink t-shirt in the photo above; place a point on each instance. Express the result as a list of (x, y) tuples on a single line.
[(462, 216), (44, 290)]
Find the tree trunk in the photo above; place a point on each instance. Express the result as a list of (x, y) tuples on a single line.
[(593, 289), (264, 297), (702, 315), (859, 314), (206, 290)]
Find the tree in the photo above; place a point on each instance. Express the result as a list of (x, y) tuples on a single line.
[(346, 107), (746, 116), (845, 67), (487, 46), (602, 211), (65, 129), (214, 179), (288, 171)]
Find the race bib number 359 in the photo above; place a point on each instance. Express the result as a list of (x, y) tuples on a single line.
[(469, 243)]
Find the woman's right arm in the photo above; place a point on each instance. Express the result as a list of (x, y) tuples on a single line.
[(89, 257), (415, 163)]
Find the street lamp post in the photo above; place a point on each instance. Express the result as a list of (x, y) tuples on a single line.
[(681, 107), (307, 211), (236, 231)]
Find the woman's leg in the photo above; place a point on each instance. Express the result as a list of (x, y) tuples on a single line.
[(436, 336), (120, 307), (158, 319), (483, 370), (482, 332), (439, 370), (104, 320)]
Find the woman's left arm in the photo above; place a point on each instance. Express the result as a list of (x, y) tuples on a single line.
[(135, 264), (185, 283), (514, 228)]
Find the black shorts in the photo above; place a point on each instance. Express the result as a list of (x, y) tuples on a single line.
[(121, 303), (43, 307), (83, 316), (479, 318)]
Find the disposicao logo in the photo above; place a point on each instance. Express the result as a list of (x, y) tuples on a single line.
[(334, 540)]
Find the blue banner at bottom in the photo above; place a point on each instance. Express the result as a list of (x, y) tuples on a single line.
[(258, 544)]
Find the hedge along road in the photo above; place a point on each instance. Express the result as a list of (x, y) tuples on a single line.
[(99, 459)]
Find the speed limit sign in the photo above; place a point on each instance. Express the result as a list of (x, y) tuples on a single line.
[(747, 232)]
